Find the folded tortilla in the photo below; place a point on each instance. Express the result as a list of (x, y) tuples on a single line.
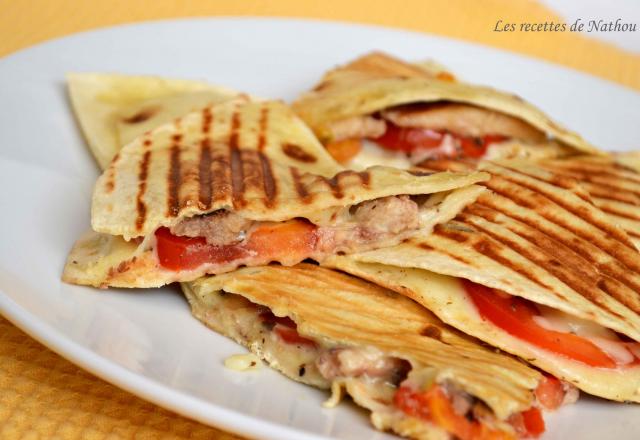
[(331, 330), (538, 236), (375, 91), (252, 179), (114, 109)]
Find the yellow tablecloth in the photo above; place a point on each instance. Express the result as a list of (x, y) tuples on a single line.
[(43, 395)]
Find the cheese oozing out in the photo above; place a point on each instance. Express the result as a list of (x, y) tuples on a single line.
[(623, 353)]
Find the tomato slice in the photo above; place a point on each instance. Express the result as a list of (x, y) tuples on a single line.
[(293, 239), (185, 253), (286, 329), (515, 316), (409, 139), (550, 393), (291, 336), (345, 150), (434, 405), (528, 423), (533, 422)]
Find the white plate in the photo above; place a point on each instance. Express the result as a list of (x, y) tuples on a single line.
[(146, 341)]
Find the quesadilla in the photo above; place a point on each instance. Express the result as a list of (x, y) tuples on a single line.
[(378, 108), (535, 269), (417, 376), (243, 183), (113, 109)]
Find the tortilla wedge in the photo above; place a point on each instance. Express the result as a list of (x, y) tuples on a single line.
[(379, 86), (114, 109), (331, 330), (537, 236), (251, 163)]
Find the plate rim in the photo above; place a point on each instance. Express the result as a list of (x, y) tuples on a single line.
[(150, 390)]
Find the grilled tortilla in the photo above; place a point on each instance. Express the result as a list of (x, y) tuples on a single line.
[(331, 330), (115, 109), (243, 183), (537, 236), (613, 184), (405, 112)]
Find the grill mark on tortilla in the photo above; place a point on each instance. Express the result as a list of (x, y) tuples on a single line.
[(204, 164), (453, 256), (207, 120), (603, 182), (334, 185), (270, 188), (447, 165), (610, 286), (627, 262), (264, 123), (490, 249), (459, 236), (143, 173), (587, 169), (111, 174), (431, 331), (237, 177), (419, 173), (554, 179), (142, 115), (546, 197), (365, 178), (297, 153), (555, 268), (618, 212), (204, 174), (610, 186), (299, 186), (573, 253), (237, 171), (546, 244), (585, 175), (615, 195), (174, 178)]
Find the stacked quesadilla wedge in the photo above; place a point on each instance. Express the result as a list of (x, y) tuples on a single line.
[(378, 109), (241, 183), (532, 267), (417, 376), (382, 109)]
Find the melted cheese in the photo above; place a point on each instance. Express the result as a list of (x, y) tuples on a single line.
[(242, 362), (372, 154), (600, 336)]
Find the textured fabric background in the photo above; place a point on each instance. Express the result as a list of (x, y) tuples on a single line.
[(26, 22), (43, 395)]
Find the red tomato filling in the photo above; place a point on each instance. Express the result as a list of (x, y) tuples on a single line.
[(550, 393), (294, 239), (286, 329), (434, 405), (410, 139), (528, 423), (515, 316)]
